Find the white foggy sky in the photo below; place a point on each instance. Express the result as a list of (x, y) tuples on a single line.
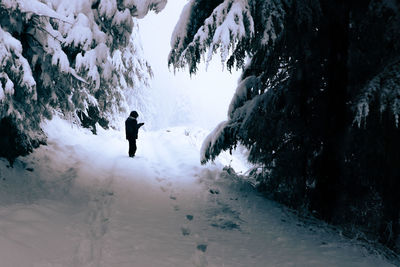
[(203, 99)]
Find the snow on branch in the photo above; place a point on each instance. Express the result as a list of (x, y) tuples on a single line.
[(34, 7), (14, 63), (232, 27), (140, 8), (384, 88), (213, 144), (272, 20), (244, 89), (16, 80), (230, 23)]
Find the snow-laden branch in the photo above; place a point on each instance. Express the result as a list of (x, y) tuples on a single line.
[(234, 27), (230, 23), (34, 7), (14, 64), (384, 89), (243, 92), (213, 144)]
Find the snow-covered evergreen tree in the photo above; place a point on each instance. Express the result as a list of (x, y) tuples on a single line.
[(64, 55), (133, 74), (313, 71)]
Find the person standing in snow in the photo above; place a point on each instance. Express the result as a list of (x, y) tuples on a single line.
[(131, 130)]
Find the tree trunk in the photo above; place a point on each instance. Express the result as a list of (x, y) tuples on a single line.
[(330, 169)]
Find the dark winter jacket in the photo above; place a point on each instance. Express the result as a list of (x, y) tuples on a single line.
[(132, 128)]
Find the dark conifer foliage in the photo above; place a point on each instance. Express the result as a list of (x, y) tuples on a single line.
[(318, 102)]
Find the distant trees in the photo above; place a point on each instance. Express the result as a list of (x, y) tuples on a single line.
[(318, 101), (74, 56)]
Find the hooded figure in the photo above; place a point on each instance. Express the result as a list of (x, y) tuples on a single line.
[(131, 130)]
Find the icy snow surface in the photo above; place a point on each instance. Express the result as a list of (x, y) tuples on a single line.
[(80, 201)]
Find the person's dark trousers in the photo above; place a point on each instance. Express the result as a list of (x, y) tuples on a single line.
[(132, 147)]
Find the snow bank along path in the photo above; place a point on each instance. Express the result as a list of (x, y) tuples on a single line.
[(80, 201)]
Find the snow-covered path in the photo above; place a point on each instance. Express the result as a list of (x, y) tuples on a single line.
[(80, 201)]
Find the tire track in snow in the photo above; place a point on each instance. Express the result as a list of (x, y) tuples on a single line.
[(90, 249)]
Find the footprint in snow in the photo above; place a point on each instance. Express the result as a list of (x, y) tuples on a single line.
[(185, 230), (225, 224), (214, 191), (224, 217), (163, 189), (199, 258), (202, 247), (158, 179)]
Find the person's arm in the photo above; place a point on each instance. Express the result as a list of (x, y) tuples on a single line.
[(140, 125)]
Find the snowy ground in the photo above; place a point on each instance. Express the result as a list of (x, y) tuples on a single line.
[(80, 201)]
